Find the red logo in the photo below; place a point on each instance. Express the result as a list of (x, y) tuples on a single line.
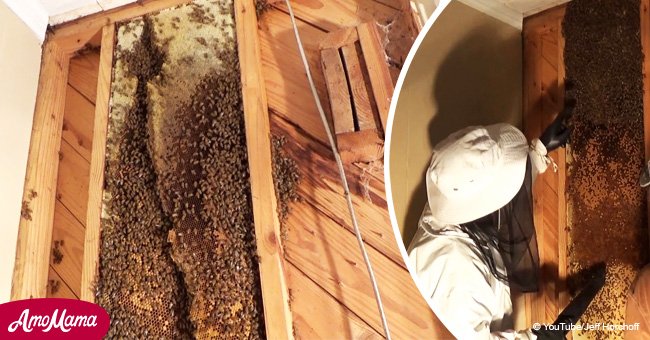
[(52, 319)]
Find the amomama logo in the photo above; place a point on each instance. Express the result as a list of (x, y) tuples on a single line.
[(52, 319)]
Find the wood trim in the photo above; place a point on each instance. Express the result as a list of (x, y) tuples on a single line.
[(35, 234), (539, 22), (275, 294), (97, 162)]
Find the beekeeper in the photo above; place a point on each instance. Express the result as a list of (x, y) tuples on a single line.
[(476, 236)]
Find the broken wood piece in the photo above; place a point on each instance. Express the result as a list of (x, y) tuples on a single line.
[(375, 57), (361, 92), (339, 94), (340, 38), (360, 146)]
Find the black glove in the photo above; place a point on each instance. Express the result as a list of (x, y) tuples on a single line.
[(572, 313), (557, 133)]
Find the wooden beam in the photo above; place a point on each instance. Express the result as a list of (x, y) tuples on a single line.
[(97, 162), (275, 294), (35, 233), (375, 57)]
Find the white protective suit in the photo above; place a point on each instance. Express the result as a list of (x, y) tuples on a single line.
[(467, 298)]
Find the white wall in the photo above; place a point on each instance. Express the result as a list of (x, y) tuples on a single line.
[(20, 59)]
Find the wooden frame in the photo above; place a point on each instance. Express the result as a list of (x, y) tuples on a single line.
[(30, 277)]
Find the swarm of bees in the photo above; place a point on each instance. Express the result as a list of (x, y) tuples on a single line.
[(178, 249), (603, 58), (286, 177)]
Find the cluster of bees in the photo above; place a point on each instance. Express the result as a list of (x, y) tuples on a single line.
[(57, 254), (139, 284), (286, 177), (178, 254), (608, 208)]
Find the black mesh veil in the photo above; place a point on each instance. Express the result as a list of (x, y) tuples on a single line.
[(511, 230)]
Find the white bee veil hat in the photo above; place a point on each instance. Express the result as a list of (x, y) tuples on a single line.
[(475, 171)]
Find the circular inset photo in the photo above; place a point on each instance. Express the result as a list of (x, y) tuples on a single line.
[(517, 168)]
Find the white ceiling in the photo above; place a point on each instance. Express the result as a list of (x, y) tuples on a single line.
[(530, 7)]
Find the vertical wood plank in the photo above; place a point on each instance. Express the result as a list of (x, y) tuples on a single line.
[(364, 103), (97, 161), (375, 57), (35, 234), (337, 88), (562, 232), (277, 315)]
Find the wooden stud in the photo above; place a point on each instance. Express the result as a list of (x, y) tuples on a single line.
[(97, 162), (364, 102), (337, 87), (277, 316), (35, 234), (375, 57)]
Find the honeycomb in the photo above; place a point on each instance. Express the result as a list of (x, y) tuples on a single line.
[(178, 250)]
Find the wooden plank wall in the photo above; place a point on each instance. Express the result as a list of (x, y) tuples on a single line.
[(543, 100)]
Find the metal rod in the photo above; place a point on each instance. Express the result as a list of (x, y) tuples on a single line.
[(344, 180)]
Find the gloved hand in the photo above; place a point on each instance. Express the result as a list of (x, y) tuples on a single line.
[(557, 133), (572, 313)]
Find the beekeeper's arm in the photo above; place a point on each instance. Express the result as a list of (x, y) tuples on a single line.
[(456, 282)]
